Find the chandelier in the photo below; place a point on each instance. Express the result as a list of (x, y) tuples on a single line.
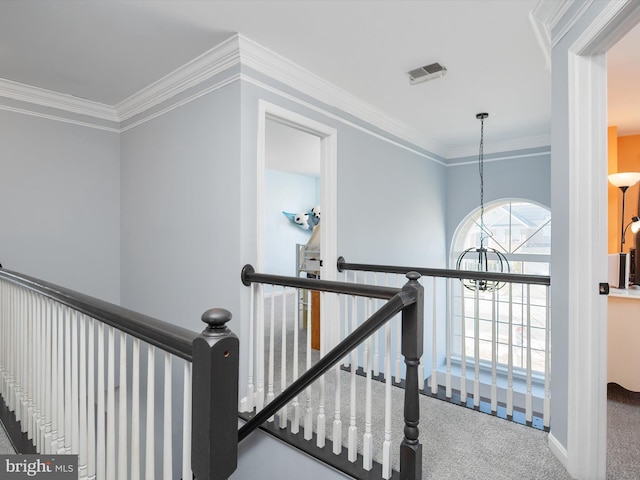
[(482, 259)]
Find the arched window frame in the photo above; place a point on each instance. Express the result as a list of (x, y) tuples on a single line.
[(534, 262)]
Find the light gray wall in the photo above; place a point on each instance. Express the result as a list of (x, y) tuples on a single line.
[(60, 203), (527, 178), (180, 215), (391, 203)]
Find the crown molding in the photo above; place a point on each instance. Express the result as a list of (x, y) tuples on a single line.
[(544, 18), (499, 147), (60, 101), (212, 62), (279, 68)]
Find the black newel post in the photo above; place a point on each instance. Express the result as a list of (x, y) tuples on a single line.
[(214, 434), (412, 339)]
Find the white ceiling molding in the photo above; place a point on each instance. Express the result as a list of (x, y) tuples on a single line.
[(212, 62), (47, 98), (58, 118), (583, 6), (241, 50), (498, 147), (546, 16), (501, 158), (283, 70), (607, 27)]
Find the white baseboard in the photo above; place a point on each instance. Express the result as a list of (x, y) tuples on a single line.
[(558, 450)]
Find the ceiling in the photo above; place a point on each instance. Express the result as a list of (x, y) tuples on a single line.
[(107, 50)]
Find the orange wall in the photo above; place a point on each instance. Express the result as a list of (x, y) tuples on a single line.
[(614, 192), (624, 156)]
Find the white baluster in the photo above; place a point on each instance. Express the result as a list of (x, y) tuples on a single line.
[(61, 380), (259, 396), (494, 352), (100, 410), (295, 403), (29, 377), (463, 351), (53, 446), (345, 322), (321, 419), (510, 357), (33, 370), (476, 348), (149, 465), (376, 335), (25, 383), (91, 406), (352, 445), (48, 305), (136, 451), (16, 359), (186, 422), (421, 385), (398, 335), (4, 346), (270, 393), (68, 385), (167, 446), (337, 421), (122, 409), (308, 414), (75, 386), (547, 362), (283, 358), (529, 400), (45, 389), (111, 404), (434, 341), (82, 439), (37, 372), (39, 412), (248, 403), (449, 339), (386, 445), (367, 447)]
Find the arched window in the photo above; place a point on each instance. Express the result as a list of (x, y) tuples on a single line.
[(521, 230)]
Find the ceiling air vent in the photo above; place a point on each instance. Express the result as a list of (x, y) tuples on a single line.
[(428, 72)]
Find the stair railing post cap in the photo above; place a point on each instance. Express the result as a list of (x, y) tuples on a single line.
[(216, 319), (414, 276)]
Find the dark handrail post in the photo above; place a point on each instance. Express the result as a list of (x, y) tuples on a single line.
[(412, 346), (214, 434)]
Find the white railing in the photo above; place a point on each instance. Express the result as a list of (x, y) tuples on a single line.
[(77, 386), (504, 334)]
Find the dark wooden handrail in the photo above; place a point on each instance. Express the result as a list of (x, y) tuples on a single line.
[(446, 273), (249, 275), (164, 335)]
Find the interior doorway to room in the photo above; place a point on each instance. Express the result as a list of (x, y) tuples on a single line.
[(622, 366), (587, 266), (297, 175), (291, 191)]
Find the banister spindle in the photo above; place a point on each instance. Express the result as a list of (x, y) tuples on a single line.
[(412, 348)]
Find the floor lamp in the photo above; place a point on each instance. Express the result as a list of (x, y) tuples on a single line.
[(623, 181)]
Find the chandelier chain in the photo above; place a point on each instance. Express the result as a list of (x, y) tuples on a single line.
[(481, 168)]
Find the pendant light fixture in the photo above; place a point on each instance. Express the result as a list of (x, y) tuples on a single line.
[(482, 259)]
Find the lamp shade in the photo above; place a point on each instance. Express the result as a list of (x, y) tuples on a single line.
[(635, 227), (624, 179)]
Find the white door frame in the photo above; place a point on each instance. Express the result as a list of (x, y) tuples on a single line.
[(587, 333), (328, 185)]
